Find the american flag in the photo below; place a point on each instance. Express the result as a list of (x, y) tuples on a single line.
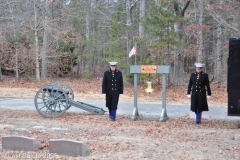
[(133, 51)]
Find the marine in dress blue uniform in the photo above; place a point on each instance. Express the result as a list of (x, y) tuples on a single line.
[(112, 87), (200, 88)]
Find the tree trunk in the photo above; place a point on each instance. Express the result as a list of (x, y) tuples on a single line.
[(178, 58), (199, 33), (15, 45), (36, 43), (88, 29), (16, 62), (171, 75), (218, 55), (44, 47), (1, 76), (142, 18), (129, 26), (88, 5)]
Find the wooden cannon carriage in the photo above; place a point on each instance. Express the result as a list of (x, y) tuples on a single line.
[(55, 99)]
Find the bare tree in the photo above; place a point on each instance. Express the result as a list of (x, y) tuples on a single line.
[(232, 10), (36, 42), (142, 15), (178, 67), (200, 35), (129, 10), (45, 42), (224, 21), (45, 30)]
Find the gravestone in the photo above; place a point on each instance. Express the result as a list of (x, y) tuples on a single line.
[(20, 143), (68, 147)]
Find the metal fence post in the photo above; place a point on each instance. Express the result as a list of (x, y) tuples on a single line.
[(135, 110), (164, 111)]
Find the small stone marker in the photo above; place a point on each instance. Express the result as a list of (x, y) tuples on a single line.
[(68, 147), (20, 143)]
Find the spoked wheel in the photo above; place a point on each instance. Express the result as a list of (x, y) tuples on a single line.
[(51, 101), (66, 88)]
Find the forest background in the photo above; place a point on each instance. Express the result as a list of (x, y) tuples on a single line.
[(42, 39)]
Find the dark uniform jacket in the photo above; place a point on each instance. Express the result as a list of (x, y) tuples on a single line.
[(112, 86), (199, 85)]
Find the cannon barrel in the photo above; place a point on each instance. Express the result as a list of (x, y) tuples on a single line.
[(87, 107)]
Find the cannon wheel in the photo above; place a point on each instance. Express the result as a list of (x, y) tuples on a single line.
[(51, 103), (66, 88)]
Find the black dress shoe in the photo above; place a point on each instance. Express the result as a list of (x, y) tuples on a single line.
[(112, 119)]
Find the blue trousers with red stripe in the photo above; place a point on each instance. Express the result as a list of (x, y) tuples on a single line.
[(112, 114), (198, 116)]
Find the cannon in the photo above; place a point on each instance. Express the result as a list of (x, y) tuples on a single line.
[(53, 100)]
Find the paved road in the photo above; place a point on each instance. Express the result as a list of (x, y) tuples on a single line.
[(219, 113)]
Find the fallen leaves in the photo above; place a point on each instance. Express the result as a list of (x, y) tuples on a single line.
[(132, 139), (176, 138)]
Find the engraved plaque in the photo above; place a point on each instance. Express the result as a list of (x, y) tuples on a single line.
[(148, 69)]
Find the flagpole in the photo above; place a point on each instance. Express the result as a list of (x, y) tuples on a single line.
[(135, 58), (135, 55)]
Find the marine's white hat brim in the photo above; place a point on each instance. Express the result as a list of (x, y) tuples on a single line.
[(199, 65), (113, 63)]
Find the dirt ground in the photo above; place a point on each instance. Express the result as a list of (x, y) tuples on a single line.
[(176, 138)]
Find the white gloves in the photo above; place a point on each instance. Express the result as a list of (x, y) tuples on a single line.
[(189, 96)]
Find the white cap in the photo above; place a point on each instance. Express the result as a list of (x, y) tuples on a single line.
[(199, 65), (113, 63)]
